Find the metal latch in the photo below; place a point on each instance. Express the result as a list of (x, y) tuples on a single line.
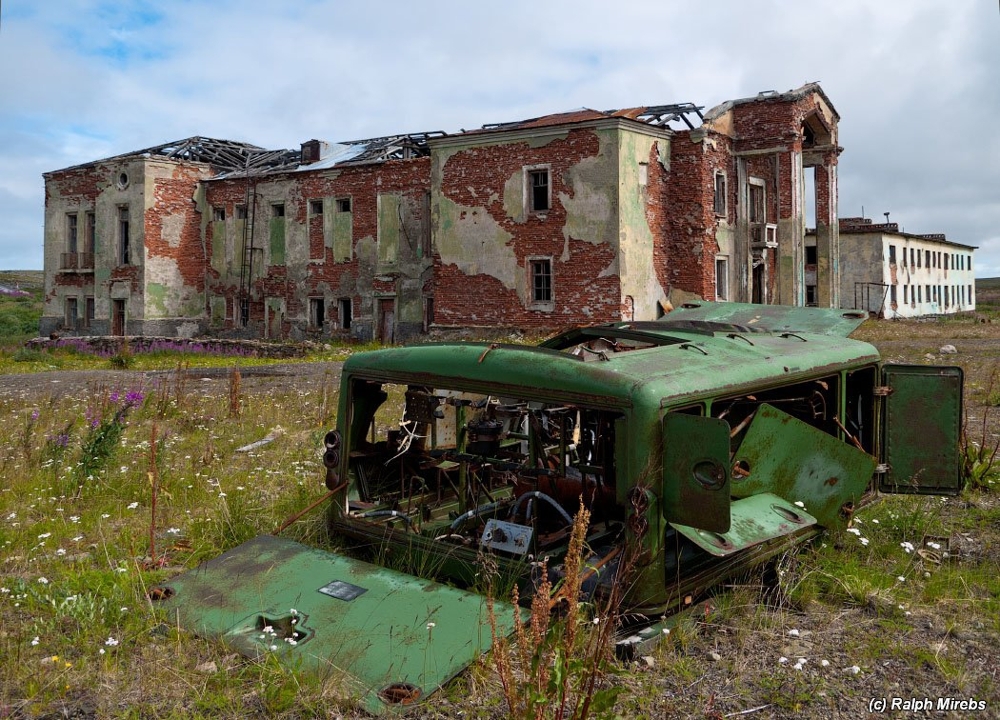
[(882, 391)]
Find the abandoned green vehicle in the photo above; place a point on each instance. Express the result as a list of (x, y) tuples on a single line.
[(702, 444)]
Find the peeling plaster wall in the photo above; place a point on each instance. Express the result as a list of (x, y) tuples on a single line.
[(486, 237), (643, 162), (94, 188), (174, 255), (332, 256)]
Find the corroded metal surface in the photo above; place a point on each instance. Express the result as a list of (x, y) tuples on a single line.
[(380, 636)]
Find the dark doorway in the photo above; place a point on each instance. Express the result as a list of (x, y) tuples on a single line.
[(386, 319), (118, 316)]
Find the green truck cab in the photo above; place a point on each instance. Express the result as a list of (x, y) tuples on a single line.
[(702, 444)]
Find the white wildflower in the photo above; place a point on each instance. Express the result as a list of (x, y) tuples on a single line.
[(43, 580), (133, 506), (111, 642)]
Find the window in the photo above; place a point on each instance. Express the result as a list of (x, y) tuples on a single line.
[(343, 205), (218, 213), (920, 294), (643, 174), (918, 258), (892, 294), (539, 197), (241, 212), (905, 288), (315, 207), (812, 297), (278, 210), (124, 249), (71, 304), (757, 211), (720, 193), (912, 265), (811, 254), (71, 232), (317, 312), (90, 235), (721, 279), (927, 258), (892, 254), (344, 310), (928, 291), (541, 280)]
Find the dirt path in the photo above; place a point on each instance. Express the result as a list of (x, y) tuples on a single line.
[(210, 381)]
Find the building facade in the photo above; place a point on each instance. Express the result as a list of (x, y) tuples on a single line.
[(898, 274), (577, 217)]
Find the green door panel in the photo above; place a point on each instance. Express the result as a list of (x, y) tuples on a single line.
[(696, 471), (922, 426), (381, 637), (790, 458), (755, 519)]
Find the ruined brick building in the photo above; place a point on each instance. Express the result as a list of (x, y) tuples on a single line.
[(578, 217)]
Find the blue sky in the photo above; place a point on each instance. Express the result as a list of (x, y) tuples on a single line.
[(916, 82)]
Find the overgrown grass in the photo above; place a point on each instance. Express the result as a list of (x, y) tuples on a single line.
[(78, 634), (75, 559)]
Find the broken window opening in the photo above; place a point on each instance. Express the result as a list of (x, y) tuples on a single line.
[(892, 254), (124, 248), (241, 212), (71, 233), (344, 312), (315, 208), (218, 213), (344, 205), (811, 254), (812, 296), (539, 190), (541, 280), (721, 279), (719, 202), (89, 312), (71, 313), (278, 210), (317, 312), (814, 402)]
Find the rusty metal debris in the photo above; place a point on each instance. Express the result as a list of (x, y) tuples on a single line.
[(694, 466)]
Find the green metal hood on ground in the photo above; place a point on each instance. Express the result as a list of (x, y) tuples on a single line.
[(384, 638)]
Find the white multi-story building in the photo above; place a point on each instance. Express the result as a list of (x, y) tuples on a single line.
[(899, 274)]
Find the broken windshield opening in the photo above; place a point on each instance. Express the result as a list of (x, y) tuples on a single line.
[(505, 473)]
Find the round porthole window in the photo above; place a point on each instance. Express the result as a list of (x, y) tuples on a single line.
[(122, 180)]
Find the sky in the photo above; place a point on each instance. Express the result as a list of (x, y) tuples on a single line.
[(916, 83)]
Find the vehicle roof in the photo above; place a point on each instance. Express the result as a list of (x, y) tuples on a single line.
[(683, 363)]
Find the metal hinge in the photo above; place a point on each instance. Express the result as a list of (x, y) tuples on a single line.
[(882, 391)]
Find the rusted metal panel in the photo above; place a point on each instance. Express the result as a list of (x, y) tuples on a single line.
[(380, 636), (755, 519), (786, 456), (771, 318), (922, 428), (696, 471)]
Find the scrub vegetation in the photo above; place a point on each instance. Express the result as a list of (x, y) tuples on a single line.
[(115, 481)]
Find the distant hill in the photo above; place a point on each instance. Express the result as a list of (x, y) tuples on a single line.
[(988, 283), (23, 279)]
